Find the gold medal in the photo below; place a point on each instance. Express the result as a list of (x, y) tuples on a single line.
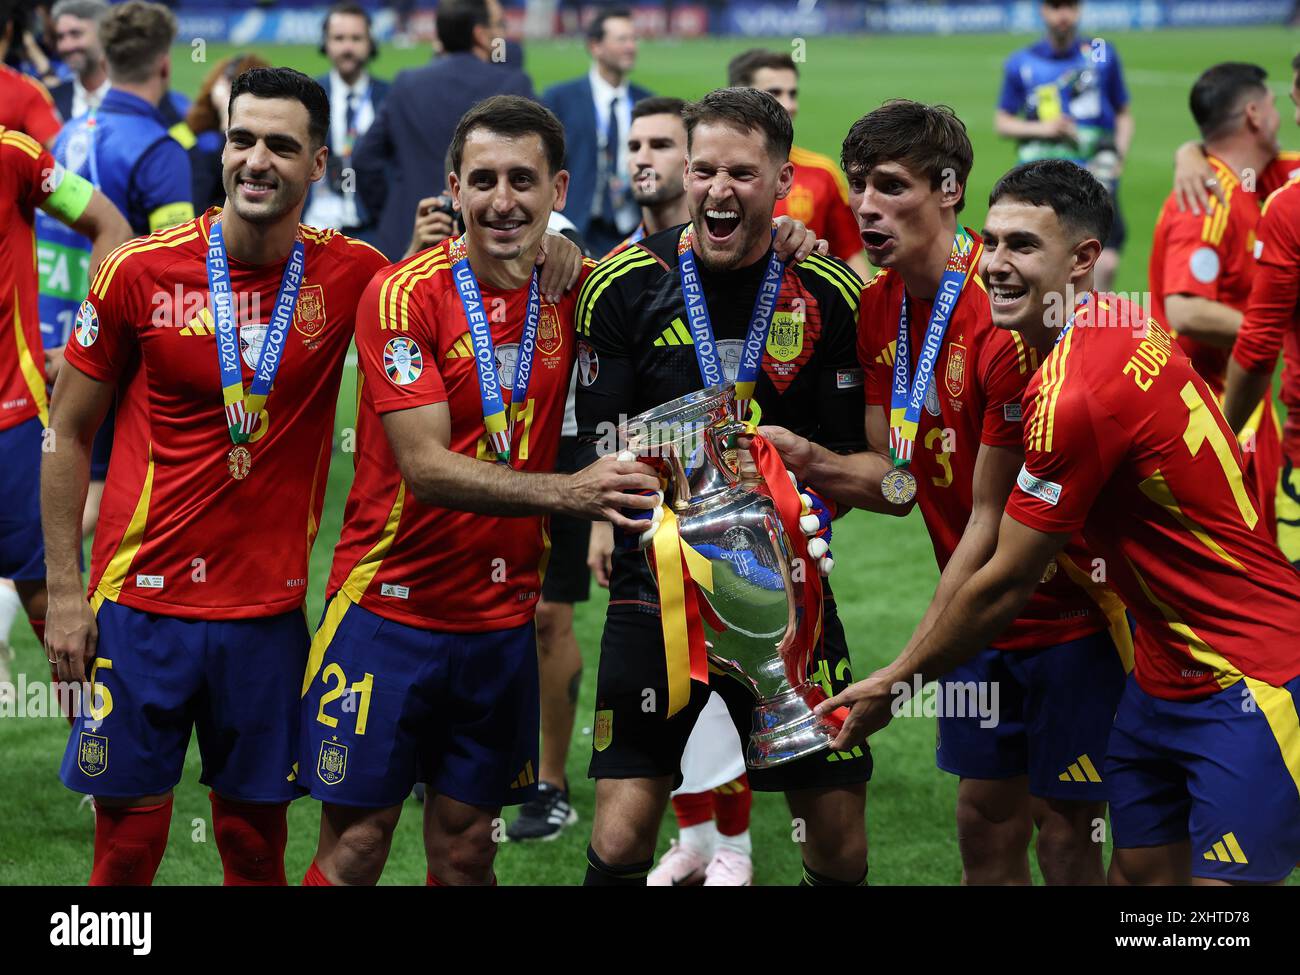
[(898, 486), (1050, 572), (239, 462)]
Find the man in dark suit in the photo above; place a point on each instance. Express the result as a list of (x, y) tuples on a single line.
[(596, 110), (76, 39), (401, 159), (355, 100)]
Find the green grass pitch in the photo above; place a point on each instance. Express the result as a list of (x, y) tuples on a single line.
[(885, 569)]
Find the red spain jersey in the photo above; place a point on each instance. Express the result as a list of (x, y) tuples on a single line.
[(1125, 442), (1272, 321), (26, 105), (819, 199), (429, 567), (177, 534), (1206, 256), (974, 399), (25, 170), (1283, 168), (1212, 256)]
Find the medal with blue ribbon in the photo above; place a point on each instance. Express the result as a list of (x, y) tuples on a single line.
[(1069, 324), (243, 410), (908, 392), (697, 314), (500, 429)]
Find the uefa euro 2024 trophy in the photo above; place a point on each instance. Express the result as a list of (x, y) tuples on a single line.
[(726, 512)]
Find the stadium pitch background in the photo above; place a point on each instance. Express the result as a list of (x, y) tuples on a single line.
[(885, 570)]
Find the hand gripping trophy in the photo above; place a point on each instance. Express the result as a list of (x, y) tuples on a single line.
[(737, 584)]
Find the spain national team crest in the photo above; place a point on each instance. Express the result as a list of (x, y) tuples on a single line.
[(332, 764), (92, 754), (403, 361), (309, 312), (86, 327), (549, 337), (955, 378), (785, 337), (603, 732)]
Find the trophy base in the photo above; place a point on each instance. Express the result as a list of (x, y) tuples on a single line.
[(786, 729)]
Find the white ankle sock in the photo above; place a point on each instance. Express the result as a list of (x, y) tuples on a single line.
[(10, 605), (741, 843), (702, 837)]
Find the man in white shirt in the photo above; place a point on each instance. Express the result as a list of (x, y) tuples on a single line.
[(76, 38), (354, 100), (596, 110)]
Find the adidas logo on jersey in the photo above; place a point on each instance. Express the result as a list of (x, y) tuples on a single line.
[(675, 334), (200, 324)]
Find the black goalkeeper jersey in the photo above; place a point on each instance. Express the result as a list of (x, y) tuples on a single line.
[(635, 352)]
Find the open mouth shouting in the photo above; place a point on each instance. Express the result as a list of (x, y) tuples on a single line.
[(721, 223), (876, 243)]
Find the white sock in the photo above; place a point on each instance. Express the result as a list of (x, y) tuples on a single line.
[(10, 605), (740, 843), (702, 837)]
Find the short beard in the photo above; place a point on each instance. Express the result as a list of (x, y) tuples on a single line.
[(748, 240), (261, 216), (659, 196)]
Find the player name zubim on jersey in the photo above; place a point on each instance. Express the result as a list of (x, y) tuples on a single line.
[(1149, 357)]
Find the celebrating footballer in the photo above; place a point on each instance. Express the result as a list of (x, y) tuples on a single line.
[(1107, 637)]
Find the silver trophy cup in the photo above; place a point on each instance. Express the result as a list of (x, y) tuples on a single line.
[(724, 514)]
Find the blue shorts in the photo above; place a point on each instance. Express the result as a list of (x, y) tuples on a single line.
[(386, 705), (1222, 771), (156, 678), (1054, 710), (22, 547)]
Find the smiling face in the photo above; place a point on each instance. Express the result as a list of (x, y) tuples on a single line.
[(1030, 262), (347, 44), (616, 50), (899, 214), (269, 158), (732, 185), (506, 192), (656, 152), (77, 43)]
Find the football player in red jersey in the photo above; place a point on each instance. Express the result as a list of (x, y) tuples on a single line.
[(1195, 180), (819, 196), (193, 617), (31, 178), (1034, 763), (429, 627), (25, 104), (1201, 267), (1272, 325), (1124, 442)]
